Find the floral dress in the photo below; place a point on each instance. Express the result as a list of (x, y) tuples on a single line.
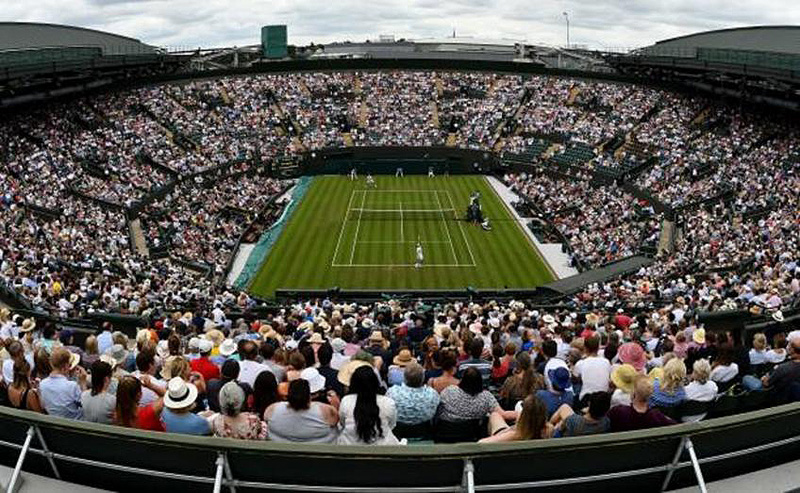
[(245, 426)]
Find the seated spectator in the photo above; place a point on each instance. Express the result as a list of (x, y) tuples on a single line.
[(60, 395), (249, 368), (559, 395), (668, 390), (724, 371), (758, 353), (594, 371), (97, 402), (592, 421), (448, 364), (21, 393), (623, 378), (301, 420), (203, 364), (786, 375), (700, 389), (324, 356), (90, 353), (475, 361), (550, 351), (231, 422), (638, 414), (398, 366), (179, 401), (522, 383), (152, 387), (415, 403), (130, 414), (365, 417), (532, 424), (229, 373), (778, 352), (265, 392), (500, 365), (631, 353), (468, 401)]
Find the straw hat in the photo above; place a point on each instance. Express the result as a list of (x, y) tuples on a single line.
[(376, 336), (28, 325), (180, 394), (633, 354), (699, 336), (778, 316), (117, 353), (623, 377), (216, 336), (346, 371), (403, 358), (227, 348), (316, 338)]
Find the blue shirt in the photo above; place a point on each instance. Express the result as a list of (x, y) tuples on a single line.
[(414, 405), (104, 342), (553, 401), (660, 398), (188, 424), (61, 397)]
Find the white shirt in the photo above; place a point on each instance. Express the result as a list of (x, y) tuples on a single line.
[(552, 364), (347, 422), (774, 356), (619, 398), (249, 370), (722, 374), (594, 372), (148, 396), (757, 357), (702, 392)]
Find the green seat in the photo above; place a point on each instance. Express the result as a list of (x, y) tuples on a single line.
[(725, 405)]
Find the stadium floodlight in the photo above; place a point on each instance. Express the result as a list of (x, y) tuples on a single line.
[(566, 17)]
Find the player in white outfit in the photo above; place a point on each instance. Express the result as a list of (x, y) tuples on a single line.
[(371, 181), (420, 256), (353, 175), (430, 172)]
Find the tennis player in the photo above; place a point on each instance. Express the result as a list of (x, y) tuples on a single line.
[(420, 256), (371, 181), (353, 175)]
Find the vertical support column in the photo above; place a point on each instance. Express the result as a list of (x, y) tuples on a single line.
[(468, 481), (12, 484)]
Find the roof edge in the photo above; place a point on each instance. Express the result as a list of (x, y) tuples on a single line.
[(729, 29), (66, 26)]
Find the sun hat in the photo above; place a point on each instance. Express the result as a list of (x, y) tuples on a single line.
[(403, 358), (194, 343), (106, 358), (28, 325), (559, 378), (338, 345), (633, 354), (376, 336), (316, 338), (227, 348), (778, 316), (205, 346), (74, 359), (180, 394), (346, 371), (367, 323), (623, 377), (316, 382), (162, 349), (699, 336), (118, 353), (215, 336)]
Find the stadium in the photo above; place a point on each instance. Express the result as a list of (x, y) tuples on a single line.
[(411, 266)]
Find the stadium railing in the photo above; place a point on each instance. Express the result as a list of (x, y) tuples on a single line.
[(124, 459)]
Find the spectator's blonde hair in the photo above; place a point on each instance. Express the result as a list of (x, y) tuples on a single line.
[(642, 387), (90, 345), (674, 373), (759, 342), (701, 370)]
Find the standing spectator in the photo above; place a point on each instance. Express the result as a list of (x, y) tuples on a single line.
[(98, 403), (638, 414), (61, 396)]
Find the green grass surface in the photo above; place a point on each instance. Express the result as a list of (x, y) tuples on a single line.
[(344, 234)]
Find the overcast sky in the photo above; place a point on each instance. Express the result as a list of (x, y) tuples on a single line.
[(212, 23)]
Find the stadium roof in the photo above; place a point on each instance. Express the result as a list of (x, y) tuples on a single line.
[(32, 35), (779, 39)]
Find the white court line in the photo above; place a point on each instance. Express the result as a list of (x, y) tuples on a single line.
[(401, 191), (447, 229), (358, 226), (393, 242), (402, 265), (344, 223), (469, 249), (402, 236)]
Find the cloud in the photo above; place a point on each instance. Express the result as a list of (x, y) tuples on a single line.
[(609, 23)]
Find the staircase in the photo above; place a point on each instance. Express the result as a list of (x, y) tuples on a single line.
[(363, 114), (439, 86), (666, 242), (357, 85), (434, 114), (225, 96), (573, 94), (451, 140), (137, 237), (348, 139)]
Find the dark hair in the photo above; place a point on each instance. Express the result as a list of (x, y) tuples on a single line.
[(610, 351), (297, 360), (265, 392), (100, 370), (325, 354), (145, 359), (41, 363), (497, 355), (599, 403), (48, 332), (230, 369), (591, 344), (299, 397), (364, 384), (174, 345), (448, 360), (308, 353), (65, 336), (549, 348), (524, 368), (249, 350), (471, 381), (476, 347), (267, 350), (22, 371), (129, 392)]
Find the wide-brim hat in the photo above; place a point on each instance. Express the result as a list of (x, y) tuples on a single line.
[(227, 348), (549, 319), (215, 336), (699, 336), (403, 358), (347, 370), (180, 394), (777, 316), (316, 382), (367, 323), (633, 354), (118, 353), (316, 338), (559, 378), (376, 336), (74, 359), (623, 377), (28, 325)]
